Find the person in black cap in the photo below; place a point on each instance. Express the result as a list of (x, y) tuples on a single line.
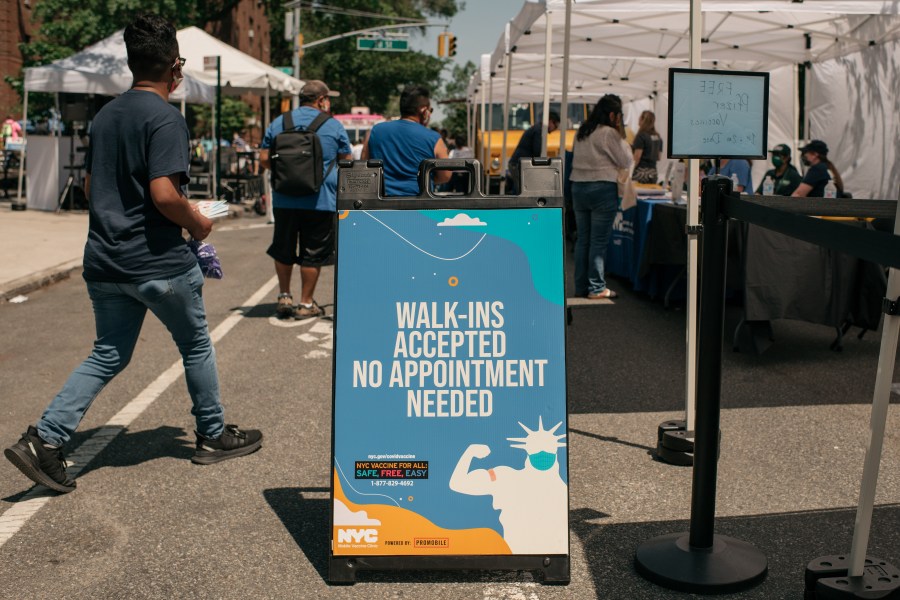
[(785, 176), (815, 156)]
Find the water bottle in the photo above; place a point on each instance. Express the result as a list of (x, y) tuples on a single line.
[(768, 186), (677, 181), (830, 189), (734, 182)]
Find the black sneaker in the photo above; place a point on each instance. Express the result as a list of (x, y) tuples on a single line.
[(40, 464), (232, 443)]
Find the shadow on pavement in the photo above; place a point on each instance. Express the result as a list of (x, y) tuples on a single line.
[(131, 448), (789, 541)]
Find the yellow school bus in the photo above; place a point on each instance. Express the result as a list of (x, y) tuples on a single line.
[(522, 115)]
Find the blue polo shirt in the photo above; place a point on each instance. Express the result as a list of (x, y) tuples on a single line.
[(741, 168), (334, 140), (402, 145)]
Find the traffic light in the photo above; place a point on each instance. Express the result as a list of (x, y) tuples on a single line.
[(442, 44), (451, 44)]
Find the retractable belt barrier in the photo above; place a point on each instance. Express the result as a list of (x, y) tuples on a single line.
[(449, 391), (705, 562)]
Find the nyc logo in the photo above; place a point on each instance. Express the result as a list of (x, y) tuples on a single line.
[(355, 536)]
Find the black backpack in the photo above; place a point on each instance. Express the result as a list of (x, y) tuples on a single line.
[(297, 161)]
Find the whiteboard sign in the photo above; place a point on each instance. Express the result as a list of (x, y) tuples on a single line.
[(718, 114)]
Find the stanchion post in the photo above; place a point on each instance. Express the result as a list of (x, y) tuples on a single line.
[(700, 561)]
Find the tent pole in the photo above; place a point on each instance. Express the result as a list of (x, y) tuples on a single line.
[(504, 160), (24, 149), (796, 97), (490, 132), (693, 219), (564, 108), (548, 48), (183, 108)]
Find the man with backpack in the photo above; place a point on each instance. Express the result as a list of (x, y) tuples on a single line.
[(302, 148)]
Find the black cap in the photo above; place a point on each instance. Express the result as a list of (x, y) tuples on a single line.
[(817, 146), (782, 149)]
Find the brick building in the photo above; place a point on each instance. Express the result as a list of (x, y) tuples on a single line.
[(15, 29)]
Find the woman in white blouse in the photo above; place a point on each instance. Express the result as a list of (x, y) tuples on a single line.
[(598, 154)]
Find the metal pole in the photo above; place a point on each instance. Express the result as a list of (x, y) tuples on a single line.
[(24, 149), (267, 184), (709, 371), (693, 219), (490, 133), (218, 132), (548, 47), (504, 159), (880, 403), (564, 108), (295, 102)]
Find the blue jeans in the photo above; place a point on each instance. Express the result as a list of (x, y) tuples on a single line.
[(595, 204), (119, 310)]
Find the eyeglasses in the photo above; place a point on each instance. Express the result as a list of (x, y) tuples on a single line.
[(179, 62), (430, 110)]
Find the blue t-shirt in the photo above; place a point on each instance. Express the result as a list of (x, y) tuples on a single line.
[(402, 145), (742, 168), (135, 138), (334, 141), (817, 176)]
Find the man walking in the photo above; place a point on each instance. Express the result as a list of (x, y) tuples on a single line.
[(136, 259), (304, 225), (403, 144)]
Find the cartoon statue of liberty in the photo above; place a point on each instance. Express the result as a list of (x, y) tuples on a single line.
[(532, 501)]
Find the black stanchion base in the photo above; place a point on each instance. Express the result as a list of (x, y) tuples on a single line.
[(731, 565), (18, 206), (674, 443), (826, 579)]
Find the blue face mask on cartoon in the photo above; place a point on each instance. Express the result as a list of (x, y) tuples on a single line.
[(542, 460)]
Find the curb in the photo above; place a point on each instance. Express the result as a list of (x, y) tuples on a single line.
[(38, 280)]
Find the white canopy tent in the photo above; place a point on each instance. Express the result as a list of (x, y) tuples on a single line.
[(627, 46), (102, 68)]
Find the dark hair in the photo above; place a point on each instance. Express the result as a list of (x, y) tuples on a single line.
[(610, 103), (553, 116), (412, 99), (838, 182), (152, 47), (460, 140)]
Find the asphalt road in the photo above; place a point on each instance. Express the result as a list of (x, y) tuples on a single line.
[(146, 523)]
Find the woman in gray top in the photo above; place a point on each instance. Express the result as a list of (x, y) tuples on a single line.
[(597, 155)]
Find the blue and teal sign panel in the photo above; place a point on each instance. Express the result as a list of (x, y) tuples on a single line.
[(450, 386)]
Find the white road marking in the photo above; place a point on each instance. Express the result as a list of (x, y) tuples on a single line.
[(18, 514)]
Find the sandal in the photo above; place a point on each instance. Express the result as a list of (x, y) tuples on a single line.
[(606, 294)]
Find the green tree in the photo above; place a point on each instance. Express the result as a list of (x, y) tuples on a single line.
[(68, 26), (235, 113), (454, 97), (364, 78)]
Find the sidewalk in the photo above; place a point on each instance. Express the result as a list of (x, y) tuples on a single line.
[(38, 248)]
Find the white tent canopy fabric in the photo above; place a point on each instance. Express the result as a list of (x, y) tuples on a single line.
[(102, 68), (627, 46)]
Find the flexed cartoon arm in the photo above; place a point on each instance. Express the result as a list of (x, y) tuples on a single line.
[(473, 483)]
